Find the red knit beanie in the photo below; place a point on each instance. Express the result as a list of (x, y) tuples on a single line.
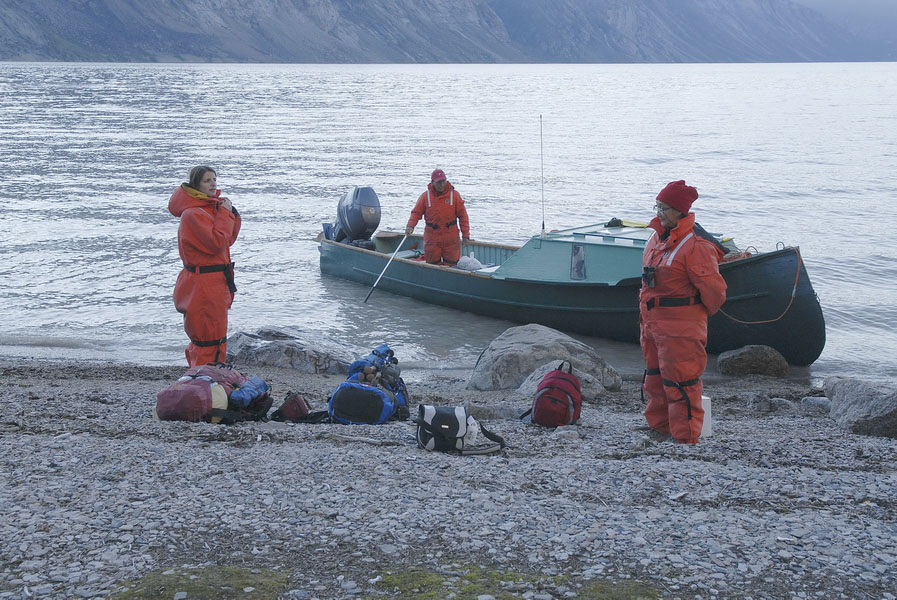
[(678, 195)]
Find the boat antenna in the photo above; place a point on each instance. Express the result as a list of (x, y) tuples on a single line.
[(542, 165)]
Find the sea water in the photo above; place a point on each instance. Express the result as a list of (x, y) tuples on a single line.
[(795, 154)]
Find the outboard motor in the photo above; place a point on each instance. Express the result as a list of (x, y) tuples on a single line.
[(358, 216)]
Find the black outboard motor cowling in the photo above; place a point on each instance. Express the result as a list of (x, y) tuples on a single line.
[(358, 216)]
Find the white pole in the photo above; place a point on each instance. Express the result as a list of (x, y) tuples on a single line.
[(399, 247), (542, 165)]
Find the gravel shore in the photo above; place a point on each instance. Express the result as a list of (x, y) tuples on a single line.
[(776, 504)]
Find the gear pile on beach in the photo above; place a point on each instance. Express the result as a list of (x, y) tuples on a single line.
[(99, 497)]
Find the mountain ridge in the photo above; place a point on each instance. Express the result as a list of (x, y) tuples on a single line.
[(427, 31)]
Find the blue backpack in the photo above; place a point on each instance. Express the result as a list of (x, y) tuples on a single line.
[(374, 392), (379, 357)]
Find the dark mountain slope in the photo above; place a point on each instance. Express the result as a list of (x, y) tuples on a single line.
[(424, 31)]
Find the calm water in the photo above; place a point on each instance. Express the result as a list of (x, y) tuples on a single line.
[(89, 154)]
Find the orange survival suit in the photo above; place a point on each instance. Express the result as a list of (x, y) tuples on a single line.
[(205, 287), (444, 213), (687, 288)]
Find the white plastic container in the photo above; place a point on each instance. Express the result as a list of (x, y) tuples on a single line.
[(707, 428)]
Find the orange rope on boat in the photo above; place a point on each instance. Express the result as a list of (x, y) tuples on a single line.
[(746, 253), (787, 308)]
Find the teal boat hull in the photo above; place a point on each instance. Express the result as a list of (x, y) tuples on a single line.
[(759, 309)]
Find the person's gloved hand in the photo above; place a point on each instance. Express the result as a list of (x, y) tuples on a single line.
[(409, 230)]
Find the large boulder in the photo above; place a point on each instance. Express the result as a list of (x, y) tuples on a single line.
[(863, 407), (515, 354), (752, 360), (280, 348)]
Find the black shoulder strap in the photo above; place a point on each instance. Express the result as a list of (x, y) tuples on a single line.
[(492, 436), (316, 417), (702, 233), (498, 445), (560, 367)]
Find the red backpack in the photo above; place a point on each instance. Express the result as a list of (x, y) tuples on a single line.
[(558, 400), (294, 408)]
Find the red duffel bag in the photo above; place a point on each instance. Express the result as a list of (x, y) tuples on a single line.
[(203, 394)]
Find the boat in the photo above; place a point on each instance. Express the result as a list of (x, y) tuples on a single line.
[(586, 280)]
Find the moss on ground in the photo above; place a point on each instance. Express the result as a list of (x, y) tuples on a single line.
[(469, 582), (212, 582)]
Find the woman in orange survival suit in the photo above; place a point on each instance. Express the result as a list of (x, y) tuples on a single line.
[(681, 287), (205, 287)]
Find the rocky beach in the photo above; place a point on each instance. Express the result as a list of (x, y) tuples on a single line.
[(101, 501)]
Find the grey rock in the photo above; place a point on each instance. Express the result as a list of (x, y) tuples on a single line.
[(781, 405), (388, 549), (567, 432), (759, 403), (290, 349), (515, 354), (816, 404), (752, 360), (863, 407)]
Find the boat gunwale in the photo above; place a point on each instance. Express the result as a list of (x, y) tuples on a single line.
[(723, 266), (393, 234), (418, 263)]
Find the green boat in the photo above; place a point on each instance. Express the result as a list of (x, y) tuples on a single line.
[(586, 280)]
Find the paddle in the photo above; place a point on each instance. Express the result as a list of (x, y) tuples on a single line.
[(404, 237)]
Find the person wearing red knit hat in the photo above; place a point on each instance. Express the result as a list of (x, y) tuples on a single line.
[(442, 208), (681, 288)]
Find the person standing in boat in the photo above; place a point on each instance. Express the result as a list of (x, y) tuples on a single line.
[(205, 287), (442, 208), (681, 288)]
